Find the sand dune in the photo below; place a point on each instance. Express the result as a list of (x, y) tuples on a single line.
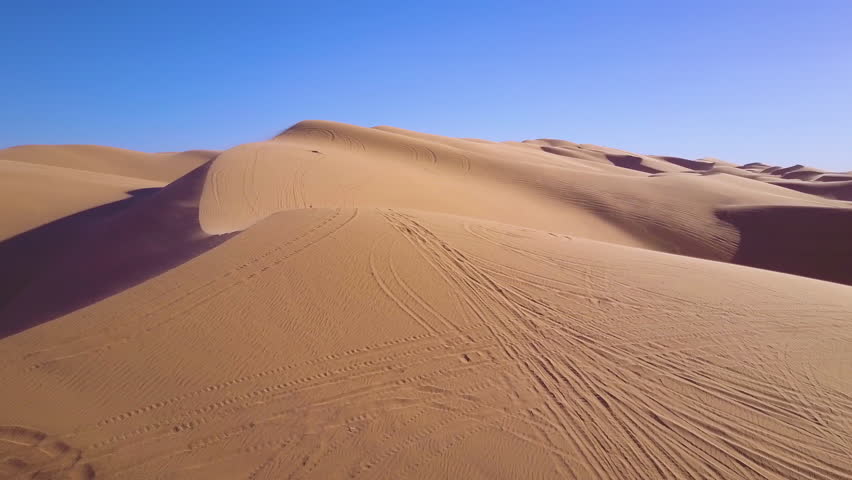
[(49, 182), (348, 302), (34, 195), (135, 240), (834, 177), (838, 190), (165, 167)]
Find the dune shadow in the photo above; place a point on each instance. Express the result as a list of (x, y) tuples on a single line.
[(806, 241), (697, 165), (833, 190), (834, 177), (630, 161), (80, 259), (26, 254)]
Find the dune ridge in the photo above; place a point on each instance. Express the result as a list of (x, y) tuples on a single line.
[(351, 302)]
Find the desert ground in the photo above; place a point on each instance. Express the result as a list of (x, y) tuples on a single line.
[(351, 302)]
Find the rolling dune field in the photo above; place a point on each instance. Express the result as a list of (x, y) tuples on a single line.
[(350, 302)]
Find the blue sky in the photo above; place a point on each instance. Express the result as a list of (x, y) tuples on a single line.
[(744, 80)]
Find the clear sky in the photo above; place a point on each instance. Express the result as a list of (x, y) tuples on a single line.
[(743, 80)]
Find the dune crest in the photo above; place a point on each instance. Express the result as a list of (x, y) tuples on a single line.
[(351, 302)]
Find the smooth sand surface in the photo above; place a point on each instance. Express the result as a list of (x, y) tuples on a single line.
[(348, 302)]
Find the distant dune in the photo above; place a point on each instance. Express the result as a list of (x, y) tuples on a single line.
[(349, 302)]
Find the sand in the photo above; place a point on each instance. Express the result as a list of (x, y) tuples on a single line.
[(349, 302)]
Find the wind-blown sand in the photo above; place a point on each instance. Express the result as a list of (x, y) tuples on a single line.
[(348, 302)]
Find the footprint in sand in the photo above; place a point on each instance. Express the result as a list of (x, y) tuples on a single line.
[(28, 453)]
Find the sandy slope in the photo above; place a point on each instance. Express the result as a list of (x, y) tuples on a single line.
[(164, 167), (342, 302), (43, 183), (33, 195)]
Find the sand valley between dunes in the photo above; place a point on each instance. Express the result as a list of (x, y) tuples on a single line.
[(349, 302)]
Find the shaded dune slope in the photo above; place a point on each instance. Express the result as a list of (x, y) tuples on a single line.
[(348, 302), (837, 190), (104, 250), (807, 241), (33, 194)]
